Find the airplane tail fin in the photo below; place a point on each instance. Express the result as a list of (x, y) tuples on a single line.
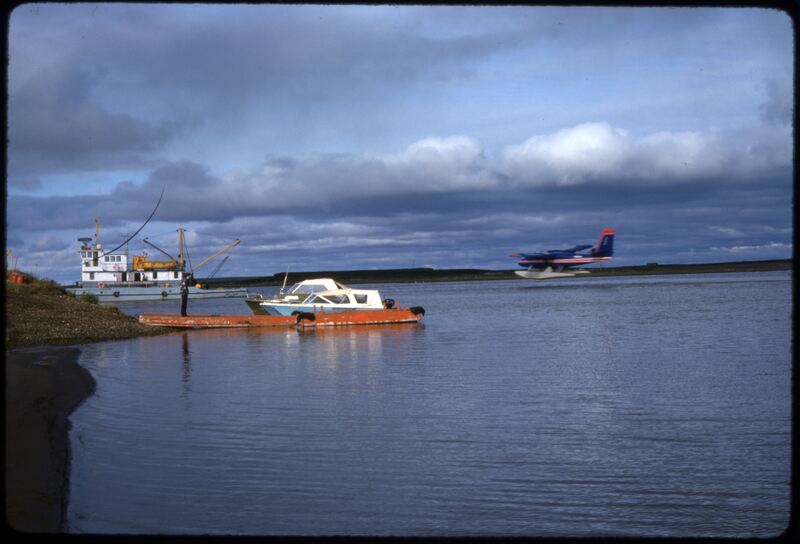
[(605, 246)]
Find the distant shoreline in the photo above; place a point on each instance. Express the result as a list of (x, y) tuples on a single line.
[(411, 275)]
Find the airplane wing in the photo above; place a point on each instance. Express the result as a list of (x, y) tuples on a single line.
[(545, 255), (562, 252)]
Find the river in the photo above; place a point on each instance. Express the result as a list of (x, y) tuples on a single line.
[(630, 406)]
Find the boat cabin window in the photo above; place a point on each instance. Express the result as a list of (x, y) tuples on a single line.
[(361, 299), (330, 299), (308, 288)]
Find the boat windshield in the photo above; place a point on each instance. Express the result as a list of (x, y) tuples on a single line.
[(327, 299), (308, 288)]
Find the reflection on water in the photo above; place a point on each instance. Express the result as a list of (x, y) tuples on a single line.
[(639, 407)]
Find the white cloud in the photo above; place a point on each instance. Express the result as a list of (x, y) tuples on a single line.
[(598, 152), (589, 153), (754, 248), (726, 231), (440, 164), (569, 156)]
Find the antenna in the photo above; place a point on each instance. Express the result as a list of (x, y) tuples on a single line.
[(286, 277)]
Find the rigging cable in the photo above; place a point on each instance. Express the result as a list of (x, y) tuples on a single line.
[(145, 223)]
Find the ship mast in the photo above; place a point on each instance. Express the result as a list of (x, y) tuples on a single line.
[(181, 261)]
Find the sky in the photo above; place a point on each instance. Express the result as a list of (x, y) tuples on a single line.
[(342, 137)]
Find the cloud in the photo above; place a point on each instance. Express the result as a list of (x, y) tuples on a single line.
[(600, 153), (443, 173), (770, 246), (56, 126), (440, 164), (779, 105)]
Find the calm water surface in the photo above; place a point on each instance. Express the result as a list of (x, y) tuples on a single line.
[(653, 406)]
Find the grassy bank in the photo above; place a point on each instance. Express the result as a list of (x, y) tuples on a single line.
[(40, 312)]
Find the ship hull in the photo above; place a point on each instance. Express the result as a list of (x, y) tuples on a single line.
[(124, 293)]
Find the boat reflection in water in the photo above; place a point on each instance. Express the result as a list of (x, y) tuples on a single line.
[(329, 345)]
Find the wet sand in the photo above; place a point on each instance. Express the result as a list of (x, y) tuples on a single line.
[(43, 386)]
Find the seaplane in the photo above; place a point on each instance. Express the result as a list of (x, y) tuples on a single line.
[(558, 263)]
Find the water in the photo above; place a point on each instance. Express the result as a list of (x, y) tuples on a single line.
[(656, 406)]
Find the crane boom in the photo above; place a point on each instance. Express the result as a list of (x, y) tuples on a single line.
[(217, 268), (217, 254), (149, 243)]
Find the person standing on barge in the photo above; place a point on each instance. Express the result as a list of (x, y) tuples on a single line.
[(185, 282)]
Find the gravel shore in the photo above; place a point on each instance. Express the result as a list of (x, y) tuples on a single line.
[(42, 313), (44, 384)]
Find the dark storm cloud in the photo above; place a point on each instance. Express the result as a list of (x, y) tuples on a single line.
[(165, 74), (109, 87), (54, 126)]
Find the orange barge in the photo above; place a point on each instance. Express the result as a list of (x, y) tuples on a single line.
[(300, 319)]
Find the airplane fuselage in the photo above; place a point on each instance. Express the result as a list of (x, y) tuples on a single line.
[(575, 260), (556, 263)]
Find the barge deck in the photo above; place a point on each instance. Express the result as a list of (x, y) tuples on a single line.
[(301, 319)]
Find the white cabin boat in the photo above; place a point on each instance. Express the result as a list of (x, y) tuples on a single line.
[(296, 293), (337, 300), (118, 276)]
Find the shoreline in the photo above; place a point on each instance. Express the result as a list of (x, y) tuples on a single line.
[(44, 385), (415, 275)]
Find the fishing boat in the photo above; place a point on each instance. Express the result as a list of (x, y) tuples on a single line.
[(114, 276), (295, 294)]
